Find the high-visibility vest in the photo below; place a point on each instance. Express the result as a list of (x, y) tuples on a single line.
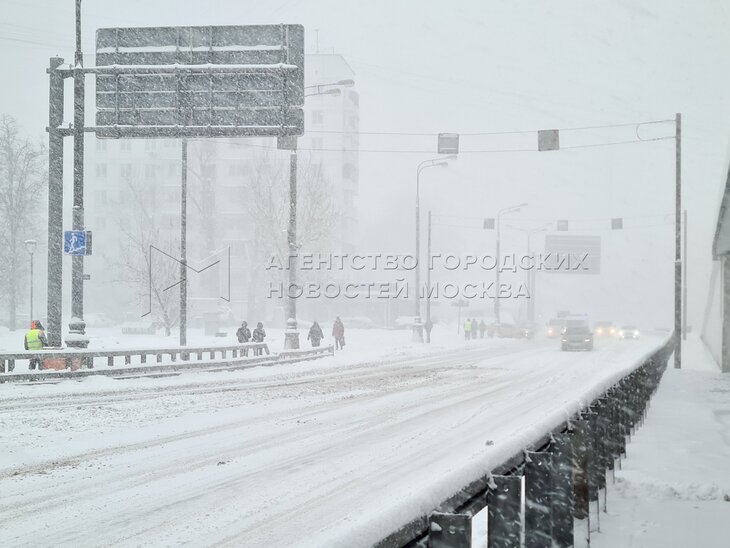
[(33, 339), (467, 325)]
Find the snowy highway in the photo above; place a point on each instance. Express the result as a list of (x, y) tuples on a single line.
[(326, 453)]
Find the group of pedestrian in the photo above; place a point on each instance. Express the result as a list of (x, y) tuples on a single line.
[(244, 335), (315, 335), (472, 326)]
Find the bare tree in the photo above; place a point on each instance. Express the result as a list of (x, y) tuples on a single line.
[(152, 273), (202, 167), (22, 177), (267, 199)]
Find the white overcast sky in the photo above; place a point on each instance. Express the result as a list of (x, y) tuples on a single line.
[(472, 67)]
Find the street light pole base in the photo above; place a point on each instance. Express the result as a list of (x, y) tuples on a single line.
[(76, 337), (417, 331), (291, 336)]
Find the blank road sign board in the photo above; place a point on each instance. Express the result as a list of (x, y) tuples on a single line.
[(200, 81), (572, 254)]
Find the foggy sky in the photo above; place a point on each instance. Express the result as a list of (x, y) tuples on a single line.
[(476, 67)]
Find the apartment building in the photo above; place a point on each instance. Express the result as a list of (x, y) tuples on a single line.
[(133, 193)]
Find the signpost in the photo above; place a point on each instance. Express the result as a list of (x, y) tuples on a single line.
[(573, 254), (169, 82), (238, 81), (461, 303), (77, 242)]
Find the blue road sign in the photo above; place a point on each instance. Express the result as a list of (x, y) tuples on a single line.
[(74, 242)]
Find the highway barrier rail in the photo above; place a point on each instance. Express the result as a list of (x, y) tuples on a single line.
[(81, 363), (558, 476)]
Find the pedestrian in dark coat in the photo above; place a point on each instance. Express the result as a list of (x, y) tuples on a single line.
[(338, 332), (258, 337), (315, 334), (482, 329), (244, 336)]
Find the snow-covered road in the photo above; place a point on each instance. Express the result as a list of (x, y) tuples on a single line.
[(321, 454)]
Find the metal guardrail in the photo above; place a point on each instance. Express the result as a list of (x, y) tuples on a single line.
[(77, 359), (564, 471)]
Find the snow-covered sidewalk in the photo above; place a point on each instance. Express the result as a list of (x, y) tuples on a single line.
[(674, 486)]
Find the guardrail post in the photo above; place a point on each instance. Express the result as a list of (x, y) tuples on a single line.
[(127, 359), (143, 358), (2, 366), (449, 530), (561, 505), (159, 358), (110, 361), (538, 495), (504, 511)]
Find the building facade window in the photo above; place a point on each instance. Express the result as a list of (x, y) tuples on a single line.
[(125, 145), (101, 171), (317, 117), (125, 171)]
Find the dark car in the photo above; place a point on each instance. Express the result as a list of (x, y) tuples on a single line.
[(628, 332), (576, 335)]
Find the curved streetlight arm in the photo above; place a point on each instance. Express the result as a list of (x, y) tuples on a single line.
[(344, 83)]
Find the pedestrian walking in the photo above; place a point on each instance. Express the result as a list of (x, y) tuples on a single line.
[(482, 329), (338, 332), (244, 336), (467, 329), (35, 339), (315, 334), (258, 337)]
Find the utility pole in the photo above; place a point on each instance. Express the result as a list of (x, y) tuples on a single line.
[(678, 245), (55, 202), (77, 327), (684, 279), (183, 245), (428, 280)]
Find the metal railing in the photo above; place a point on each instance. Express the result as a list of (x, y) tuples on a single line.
[(78, 359), (563, 472)]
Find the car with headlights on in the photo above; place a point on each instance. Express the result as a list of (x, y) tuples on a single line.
[(628, 332), (555, 327), (605, 329)]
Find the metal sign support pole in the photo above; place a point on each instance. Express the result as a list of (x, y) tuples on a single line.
[(183, 246), (55, 203), (291, 337), (77, 327), (678, 245)]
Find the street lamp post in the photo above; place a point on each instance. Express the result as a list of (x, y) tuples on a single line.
[(501, 212), (291, 335), (30, 246), (442, 162)]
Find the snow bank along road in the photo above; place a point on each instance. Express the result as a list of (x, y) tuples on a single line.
[(320, 455)]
